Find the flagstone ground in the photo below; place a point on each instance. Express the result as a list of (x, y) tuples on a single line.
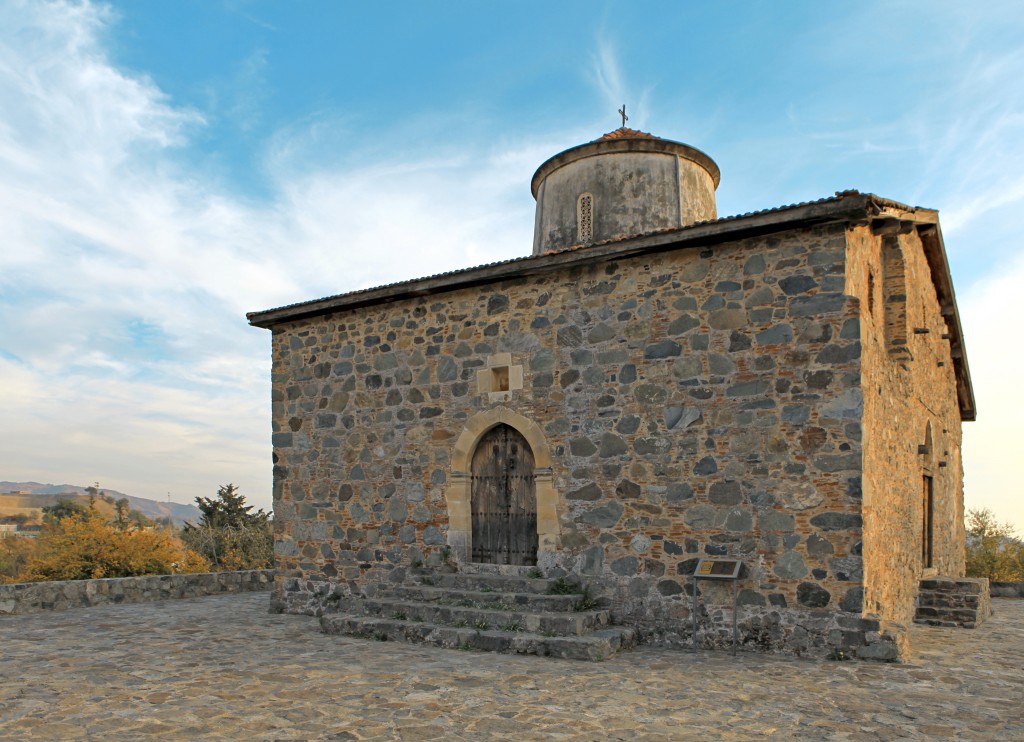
[(223, 668)]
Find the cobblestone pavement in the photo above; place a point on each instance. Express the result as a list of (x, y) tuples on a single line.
[(223, 668)]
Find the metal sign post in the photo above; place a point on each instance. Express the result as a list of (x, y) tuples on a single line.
[(717, 569)]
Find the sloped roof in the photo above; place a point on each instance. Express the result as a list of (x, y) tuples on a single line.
[(271, 316), (849, 206)]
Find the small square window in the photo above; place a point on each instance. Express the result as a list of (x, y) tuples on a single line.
[(499, 378), (500, 381)]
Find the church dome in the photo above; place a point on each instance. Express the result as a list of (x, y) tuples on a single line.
[(626, 183)]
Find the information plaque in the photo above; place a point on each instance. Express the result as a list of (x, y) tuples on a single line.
[(717, 569)]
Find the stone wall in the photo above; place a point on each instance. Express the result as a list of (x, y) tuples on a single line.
[(700, 402), (35, 597), (1007, 589), (911, 421)]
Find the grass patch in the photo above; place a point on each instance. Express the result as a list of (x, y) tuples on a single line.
[(563, 586), (490, 605), (586, 602)]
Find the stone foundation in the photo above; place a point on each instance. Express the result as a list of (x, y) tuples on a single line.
[(666, 622), (36, 597)]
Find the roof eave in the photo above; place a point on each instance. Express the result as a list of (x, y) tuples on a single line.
[(849, 206), (935, 252), (894, 218)]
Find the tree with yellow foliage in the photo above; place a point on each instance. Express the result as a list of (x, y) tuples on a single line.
[(15, 553), (85, 546)]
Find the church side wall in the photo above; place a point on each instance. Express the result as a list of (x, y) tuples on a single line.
[(695, 403), (909, 390)]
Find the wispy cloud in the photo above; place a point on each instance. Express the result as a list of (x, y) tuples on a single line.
[(240, 7), (607, 73), (982, 138), (249, 90), (124, 275), (610, 80), (125, 271)]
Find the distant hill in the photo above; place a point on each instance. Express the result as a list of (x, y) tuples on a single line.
[(37, 495)]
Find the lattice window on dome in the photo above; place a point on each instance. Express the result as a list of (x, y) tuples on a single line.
[(585, 218)]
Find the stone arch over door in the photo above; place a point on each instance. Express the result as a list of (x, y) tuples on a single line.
[(458, 493)]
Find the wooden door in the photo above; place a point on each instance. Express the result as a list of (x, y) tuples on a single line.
[(504, 499)]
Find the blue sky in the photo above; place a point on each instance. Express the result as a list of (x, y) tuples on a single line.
[(166, 167)]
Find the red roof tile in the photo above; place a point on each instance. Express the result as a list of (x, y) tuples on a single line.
[(624, 133)]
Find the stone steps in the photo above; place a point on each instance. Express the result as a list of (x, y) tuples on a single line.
[(953, 602), (595, 646), (508, 600), (496, 612), (489, 582), (477, 616)]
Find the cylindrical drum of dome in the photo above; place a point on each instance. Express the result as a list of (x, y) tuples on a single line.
[(624, 184)]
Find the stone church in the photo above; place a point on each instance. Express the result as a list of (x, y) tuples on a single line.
[(652, 386)]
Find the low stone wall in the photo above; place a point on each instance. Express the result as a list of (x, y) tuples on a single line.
[(1007, 589), (35, 597)]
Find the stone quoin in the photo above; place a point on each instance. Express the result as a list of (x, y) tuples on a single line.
[(658, 385)]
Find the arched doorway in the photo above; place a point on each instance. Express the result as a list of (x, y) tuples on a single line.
[(504, 499)]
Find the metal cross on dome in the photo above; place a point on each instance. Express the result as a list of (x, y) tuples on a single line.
[(625, 118)]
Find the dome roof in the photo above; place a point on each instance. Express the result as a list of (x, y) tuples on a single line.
[(623, 133), (627, 182), (625, 140)]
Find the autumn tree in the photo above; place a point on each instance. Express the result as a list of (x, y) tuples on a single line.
[(992, 551), (15, 554), (229, 534), (85, 546)]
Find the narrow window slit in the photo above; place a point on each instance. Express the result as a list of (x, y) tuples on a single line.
[(585, 218)]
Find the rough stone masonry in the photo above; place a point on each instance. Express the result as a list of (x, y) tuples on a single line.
[(785, 388)]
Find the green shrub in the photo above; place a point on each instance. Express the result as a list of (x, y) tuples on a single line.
[(992, 550)]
